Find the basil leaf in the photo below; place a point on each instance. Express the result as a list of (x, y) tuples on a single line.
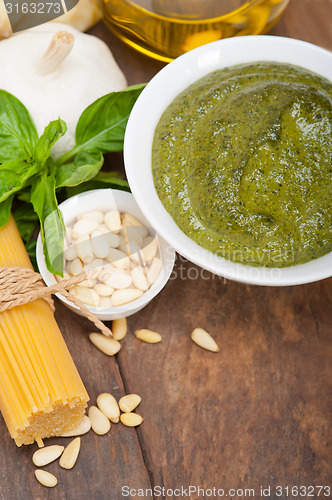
[(101, 181), (24, 195), (14, 175), (18, 133), (26, 220), (45, 143), (101, 126), (5, 208), (52, 228), (84, 167)]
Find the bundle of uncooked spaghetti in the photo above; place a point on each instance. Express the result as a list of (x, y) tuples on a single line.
[(41, 392)]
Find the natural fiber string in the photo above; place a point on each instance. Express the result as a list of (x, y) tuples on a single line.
[(20, 285)]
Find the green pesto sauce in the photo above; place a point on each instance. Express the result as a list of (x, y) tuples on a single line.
[(242, 160)]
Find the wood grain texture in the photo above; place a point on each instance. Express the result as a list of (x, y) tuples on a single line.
[(257, 413)]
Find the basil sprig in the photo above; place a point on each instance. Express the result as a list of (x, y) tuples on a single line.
[(28, 171)]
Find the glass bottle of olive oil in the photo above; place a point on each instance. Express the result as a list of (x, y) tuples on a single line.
[(164, 29)]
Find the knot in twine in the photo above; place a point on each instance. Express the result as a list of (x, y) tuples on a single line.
[(20, 285)]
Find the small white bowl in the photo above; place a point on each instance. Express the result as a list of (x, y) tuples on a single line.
[(104, 200), (153, 101)]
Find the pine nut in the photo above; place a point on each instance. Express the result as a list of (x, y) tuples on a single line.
[(70, 454), (154, 270), (128, 403), (105, 302), (86, 295), (46, 478), (148, 336), (119, 280), (112, 220), (96, 215), (203, 339), (139, 278), (113, 239), (121, 297), (150, 247), (70, 253), (131, 419), (133, 233), (76, 266), (109, 406), (84, 227), (46, 455), (118, 259), (119, 328), (135, 252), (107, 345), (81, 428), (90, 283), (94, 268), (100, 245), (130, 220), (84, 249), (99, 422), (103, 290)]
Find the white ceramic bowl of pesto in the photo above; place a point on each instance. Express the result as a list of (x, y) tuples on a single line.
[(105, 200), (153, 101)]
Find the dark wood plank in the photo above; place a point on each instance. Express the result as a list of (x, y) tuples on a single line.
[(106, 463), (257, 413)]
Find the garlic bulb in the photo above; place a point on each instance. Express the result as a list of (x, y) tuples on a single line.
[(84, 15), (55, 70)]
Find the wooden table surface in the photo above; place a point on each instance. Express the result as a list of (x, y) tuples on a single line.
[(259, 413)]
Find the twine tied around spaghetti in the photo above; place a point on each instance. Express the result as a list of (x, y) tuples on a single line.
[(20, 285)]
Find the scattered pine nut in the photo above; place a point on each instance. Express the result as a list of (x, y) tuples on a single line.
[(131, 419), (203, 339), (148, 336), (129, 403), (70, 454), (82, 428), (109, 406), (107, 345), (119, 328), (47, 454), (99, 422), (46, 478)]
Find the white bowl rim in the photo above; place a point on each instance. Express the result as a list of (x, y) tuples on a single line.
[(131, 307), (154, 99)]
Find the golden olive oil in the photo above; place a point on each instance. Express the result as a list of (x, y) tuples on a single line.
[(165, 29)]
